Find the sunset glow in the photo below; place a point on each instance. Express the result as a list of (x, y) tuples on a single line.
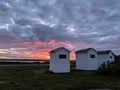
[(35, 50)]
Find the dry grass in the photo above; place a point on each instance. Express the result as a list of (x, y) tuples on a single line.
[(38, 78)]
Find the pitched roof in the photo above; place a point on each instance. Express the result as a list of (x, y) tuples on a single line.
[(84, 50), (57, 49), (105, 52)]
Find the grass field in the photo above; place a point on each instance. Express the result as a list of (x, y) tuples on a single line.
[(37, 77)]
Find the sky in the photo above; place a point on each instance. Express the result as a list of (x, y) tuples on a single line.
[(30, 29)]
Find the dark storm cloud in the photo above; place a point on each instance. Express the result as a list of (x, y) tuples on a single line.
[(93, 21)]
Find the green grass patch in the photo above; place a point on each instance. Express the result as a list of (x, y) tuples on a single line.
[(38, 78)]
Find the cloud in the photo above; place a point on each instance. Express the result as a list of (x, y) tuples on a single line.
[(77, 23)]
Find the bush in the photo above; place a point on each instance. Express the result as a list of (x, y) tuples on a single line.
[(110, 68)]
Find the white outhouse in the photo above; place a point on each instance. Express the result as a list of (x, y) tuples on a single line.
[(86, 59), (105, 56), (60, 60)]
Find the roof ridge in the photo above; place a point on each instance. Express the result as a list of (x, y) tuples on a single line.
[(84, 50), (52, 51)]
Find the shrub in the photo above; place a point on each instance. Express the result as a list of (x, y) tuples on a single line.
[(110, 68)]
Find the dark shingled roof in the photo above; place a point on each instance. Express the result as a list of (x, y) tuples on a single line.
[(84, 50), (53, 51), (105, 52)]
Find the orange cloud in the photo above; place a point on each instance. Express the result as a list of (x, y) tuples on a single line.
[(38, 54), (45, 48), (2, 57), (35, 50)]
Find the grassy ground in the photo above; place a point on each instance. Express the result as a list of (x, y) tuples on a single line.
[(38, 78)]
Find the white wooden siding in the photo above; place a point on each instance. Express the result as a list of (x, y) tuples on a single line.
[(105, 57), (84, 62), (81, 61), (92, 62), (60, 65)]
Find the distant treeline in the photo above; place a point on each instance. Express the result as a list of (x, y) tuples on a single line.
[(5, 63), (46, 62), (25, 59)]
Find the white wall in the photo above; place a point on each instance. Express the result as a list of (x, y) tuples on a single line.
[(92, 62), (113, 57), (52, 61), (60, 65), (84, 62), (81, 61), (105, 57), (102, 58)]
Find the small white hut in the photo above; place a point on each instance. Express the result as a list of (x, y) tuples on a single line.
[(60, 60), (86, 59), (105, 56)]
